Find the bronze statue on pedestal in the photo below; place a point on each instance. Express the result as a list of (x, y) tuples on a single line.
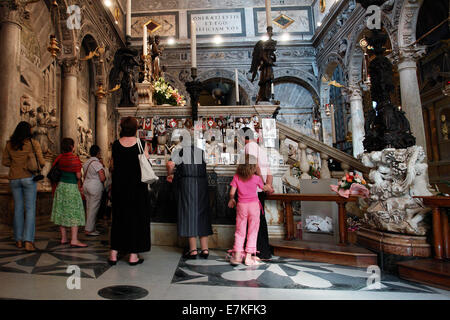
[(263, 60)]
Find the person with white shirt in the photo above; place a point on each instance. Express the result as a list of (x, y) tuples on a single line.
[(252, 148), (94, 177)]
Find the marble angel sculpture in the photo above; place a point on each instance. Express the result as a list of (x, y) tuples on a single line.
[(380, 175), (416, 182)]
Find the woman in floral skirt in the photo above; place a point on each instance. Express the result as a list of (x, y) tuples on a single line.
[(68, 210)]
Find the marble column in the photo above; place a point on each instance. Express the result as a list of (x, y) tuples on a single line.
[(356, 108), (69, 110), (410, 92), (10, 32), (102, 128)]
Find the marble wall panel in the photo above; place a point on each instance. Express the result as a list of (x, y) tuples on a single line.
[(169, 22), (296, 21)]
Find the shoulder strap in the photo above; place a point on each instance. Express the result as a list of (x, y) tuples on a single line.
[(139, 143), (87, 169)]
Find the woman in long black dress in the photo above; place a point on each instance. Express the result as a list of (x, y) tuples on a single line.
[(130, 229), (193, 203)]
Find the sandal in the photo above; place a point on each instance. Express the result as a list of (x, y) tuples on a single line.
[(252, 260), (188, 254), (236, 259), (204, 255)]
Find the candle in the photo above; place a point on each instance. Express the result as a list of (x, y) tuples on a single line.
[(144, 41), (268, 14), (237, 84), (193, 44), (128, 26)]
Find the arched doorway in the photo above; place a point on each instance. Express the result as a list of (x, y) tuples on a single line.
[(297, 103), (221, 91), (340, 112)]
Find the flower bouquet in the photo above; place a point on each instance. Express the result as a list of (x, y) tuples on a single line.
[(351, 184), (164, 93), (313, 172)]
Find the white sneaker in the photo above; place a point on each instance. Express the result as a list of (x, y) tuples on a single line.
[(93, 233)]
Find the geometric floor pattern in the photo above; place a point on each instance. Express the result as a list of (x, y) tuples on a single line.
[(52, 258), (166, 275), (284, 273)]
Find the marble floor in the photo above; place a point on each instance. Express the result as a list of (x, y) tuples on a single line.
[(166, 275)]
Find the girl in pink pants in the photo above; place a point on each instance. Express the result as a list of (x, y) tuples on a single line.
[(246, 182)]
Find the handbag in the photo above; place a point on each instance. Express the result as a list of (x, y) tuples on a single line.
[(54, 175), (33, 165), (147, 173)]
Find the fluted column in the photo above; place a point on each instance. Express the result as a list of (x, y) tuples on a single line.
[(356, 108), (410, 92), (69, 110), (102, 127), (10, 30)]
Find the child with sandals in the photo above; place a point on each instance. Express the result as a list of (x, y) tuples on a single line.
[(246, 181)]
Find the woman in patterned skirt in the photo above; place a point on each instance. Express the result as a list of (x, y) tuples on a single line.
[(68, 210)]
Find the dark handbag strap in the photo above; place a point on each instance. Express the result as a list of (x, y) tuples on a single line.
[(35, 155), (87, 169)]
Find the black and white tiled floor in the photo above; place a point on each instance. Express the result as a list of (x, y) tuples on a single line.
[(166, 275), (283, 273)]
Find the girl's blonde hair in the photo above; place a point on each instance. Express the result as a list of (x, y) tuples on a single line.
[(247, 169)]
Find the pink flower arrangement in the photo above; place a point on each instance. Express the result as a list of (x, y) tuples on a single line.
[(351, 184)]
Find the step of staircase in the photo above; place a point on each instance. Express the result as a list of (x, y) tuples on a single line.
[(348, 255), (431, 272)]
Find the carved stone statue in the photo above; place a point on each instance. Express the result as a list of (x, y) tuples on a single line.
[(263, 61), (125, 60), (396, 176)]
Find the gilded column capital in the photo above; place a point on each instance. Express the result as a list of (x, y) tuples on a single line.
[(70, 66), (15, 11)]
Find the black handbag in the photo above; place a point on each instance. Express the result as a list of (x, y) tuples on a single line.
[(54, 175), (38, 176)]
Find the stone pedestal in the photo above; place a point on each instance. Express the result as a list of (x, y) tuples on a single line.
[(145, 94), (392, 243), (393, 248)]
